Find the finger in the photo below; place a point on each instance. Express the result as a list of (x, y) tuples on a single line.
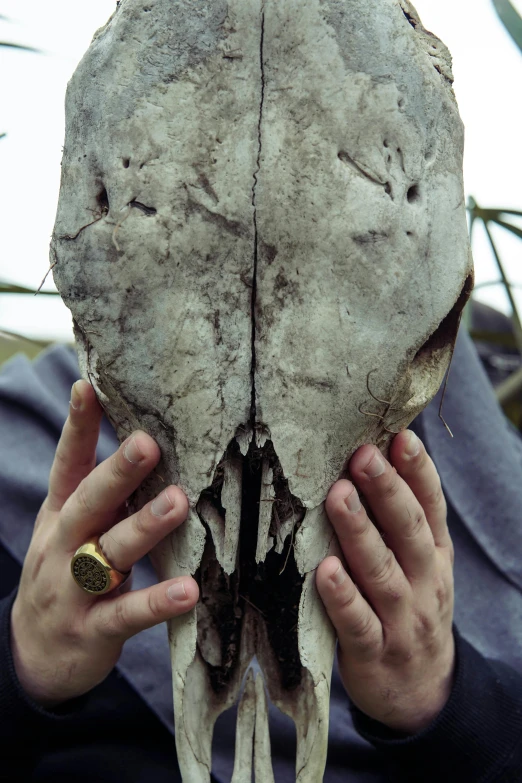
[(413, 463), (76, 452), (129, 540), (397, 511), (101, 493), (128, 614), (358, 627), (372, 565)]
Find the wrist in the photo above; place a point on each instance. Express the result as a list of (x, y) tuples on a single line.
[(423, 709), (26, 666)]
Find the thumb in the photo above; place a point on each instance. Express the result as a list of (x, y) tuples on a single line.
[(137, 610)]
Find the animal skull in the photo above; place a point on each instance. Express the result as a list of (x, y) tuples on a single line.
[(261, 236)]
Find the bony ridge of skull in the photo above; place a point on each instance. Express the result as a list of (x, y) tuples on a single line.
[(261, 236)]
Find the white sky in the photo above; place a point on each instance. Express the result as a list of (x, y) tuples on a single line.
[(488, 72)]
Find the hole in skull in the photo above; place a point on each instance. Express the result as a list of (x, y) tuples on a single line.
[(126, 163), (414, 194), (103, 200), (225, 599), (446, 332)]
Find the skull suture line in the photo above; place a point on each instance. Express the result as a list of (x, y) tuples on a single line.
[(261, 233)]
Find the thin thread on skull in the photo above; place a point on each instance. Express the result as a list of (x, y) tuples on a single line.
[(441, 417), (383, 402)]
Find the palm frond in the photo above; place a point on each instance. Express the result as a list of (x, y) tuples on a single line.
[(510, 19), (10, 45), (12, 288)]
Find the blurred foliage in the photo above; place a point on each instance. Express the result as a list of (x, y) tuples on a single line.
[(510, 19), (14, 343)]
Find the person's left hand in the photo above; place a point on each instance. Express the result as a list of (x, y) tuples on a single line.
[(393, 614)]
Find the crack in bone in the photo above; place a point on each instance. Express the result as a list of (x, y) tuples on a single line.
[(256, 172)]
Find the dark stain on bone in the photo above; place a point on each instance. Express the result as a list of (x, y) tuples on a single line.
[(285, 288), (323, 384), (370, 237), (359, 168), (226, 599), (207, 187), (217, 327), (143, 207), (267, 252), (222, 222), (218, 601)]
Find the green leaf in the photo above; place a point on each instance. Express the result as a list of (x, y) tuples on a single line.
[(502, 339), (11, 288), (20, 46), (511, 20), (514, 229)]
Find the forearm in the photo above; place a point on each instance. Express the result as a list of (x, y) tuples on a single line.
[(476, 738)]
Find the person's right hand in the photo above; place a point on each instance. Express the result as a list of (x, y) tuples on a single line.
[(64, 640)]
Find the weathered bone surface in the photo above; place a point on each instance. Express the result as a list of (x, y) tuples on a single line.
[(261, 236)]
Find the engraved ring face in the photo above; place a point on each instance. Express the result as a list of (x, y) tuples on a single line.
[(90, 574)]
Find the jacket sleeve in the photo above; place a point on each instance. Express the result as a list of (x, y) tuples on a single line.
[(477, 738), (25, 725)]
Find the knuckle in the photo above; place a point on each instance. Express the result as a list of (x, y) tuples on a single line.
[(383, 569), (358, 528), (435, 496), (116, 622), (348, 599), (415, 525), (397, 653), (84, 499), (154, 605), (362, 627), (139, 524), (364, 637), (390, 490), (424, 626), (443, 593)]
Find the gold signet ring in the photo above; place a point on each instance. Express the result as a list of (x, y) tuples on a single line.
[(92, 571)]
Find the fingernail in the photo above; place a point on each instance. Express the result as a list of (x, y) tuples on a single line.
[(375, 467), (132, 452), (176, 591), (338, 576), (76, 400), (352, 502), (162, 505), (412, 447)]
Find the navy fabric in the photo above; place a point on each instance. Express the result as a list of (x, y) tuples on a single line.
[(481, 471)]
